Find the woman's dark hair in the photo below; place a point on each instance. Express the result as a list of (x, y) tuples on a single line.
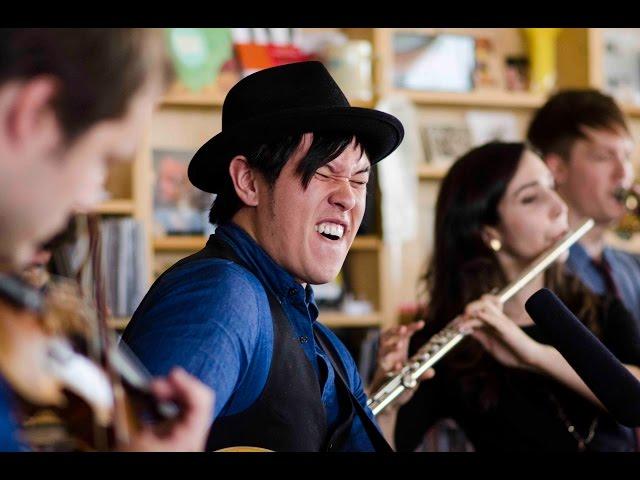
[(98, 69), (462, 267), (270, 158)]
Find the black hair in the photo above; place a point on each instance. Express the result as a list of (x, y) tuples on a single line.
[(269, 159)]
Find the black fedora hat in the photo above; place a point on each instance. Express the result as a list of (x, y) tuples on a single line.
[(289, 99)]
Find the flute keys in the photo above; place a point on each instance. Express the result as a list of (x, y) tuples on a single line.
[(408, 381), (424, 356)]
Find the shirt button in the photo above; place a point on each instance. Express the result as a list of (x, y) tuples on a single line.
[(292, 292), (303, 339)]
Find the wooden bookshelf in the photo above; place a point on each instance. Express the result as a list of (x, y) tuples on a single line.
[(366, 242), (362, 103), (179, 243), (206, 98), (116, 207), (213, 98), (187, 119), (432, 172), (196, 242), (477, 99), (631, 110)]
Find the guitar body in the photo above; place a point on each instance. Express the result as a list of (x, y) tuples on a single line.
[(244, 449)]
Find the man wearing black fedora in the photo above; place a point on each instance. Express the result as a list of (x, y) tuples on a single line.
[(290, 170)]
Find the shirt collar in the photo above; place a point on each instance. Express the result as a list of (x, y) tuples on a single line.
[(579, 259), (271, 274)]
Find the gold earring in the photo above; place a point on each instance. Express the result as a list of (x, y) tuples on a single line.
[(495, 244)]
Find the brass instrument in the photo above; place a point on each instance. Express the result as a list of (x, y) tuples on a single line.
[(629, 199), (630, 222), (446, 339)]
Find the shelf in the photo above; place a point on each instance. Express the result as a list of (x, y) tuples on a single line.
[(115, 207), (631, 110), (336, 319), (489, 98), (196, 242), (179, 242), (181, 97), (362, 103), (432, 172), (366, 242), (213, 97)]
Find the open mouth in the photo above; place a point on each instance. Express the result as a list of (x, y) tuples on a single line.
[(329, 230)]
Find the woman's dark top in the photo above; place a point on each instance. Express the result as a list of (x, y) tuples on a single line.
[(524, 411)]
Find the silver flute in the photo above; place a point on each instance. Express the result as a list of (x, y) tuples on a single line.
[(450, 336)]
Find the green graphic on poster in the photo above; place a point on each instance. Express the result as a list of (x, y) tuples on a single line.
[(199, 53)]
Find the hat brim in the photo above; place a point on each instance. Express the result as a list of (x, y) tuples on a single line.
[(379, 133)]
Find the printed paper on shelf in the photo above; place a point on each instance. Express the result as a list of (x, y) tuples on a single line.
[(399, 182), (489, 126)]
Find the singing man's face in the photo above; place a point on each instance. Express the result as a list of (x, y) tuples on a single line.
[(309, 231)]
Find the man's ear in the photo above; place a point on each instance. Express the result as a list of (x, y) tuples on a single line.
[(558, 166), (28, 118), (244, 180)]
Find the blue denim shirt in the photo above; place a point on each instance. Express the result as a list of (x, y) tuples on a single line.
[(625, 270), (212, 317), (9, 441)]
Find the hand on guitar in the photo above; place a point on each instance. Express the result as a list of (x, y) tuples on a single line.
[(393, 353), (499, 335), (190, 430)]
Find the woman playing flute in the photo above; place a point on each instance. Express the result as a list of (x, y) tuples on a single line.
[(508, 390)]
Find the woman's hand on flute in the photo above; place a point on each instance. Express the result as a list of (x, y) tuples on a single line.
[(499, 335)]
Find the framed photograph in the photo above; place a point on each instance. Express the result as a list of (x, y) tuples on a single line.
[(179, 208), (440, 62), (444, 142), (621, 64)]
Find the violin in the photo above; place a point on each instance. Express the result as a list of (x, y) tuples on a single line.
[(57, 351), (37, 357)]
